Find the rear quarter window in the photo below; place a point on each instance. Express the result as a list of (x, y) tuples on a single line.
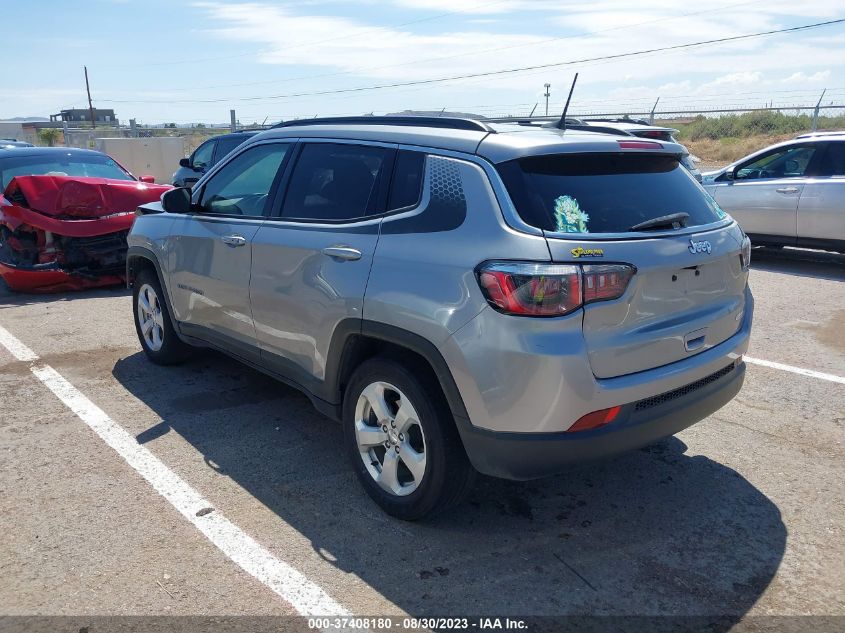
[(604, 193)]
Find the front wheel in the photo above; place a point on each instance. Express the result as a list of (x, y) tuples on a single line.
[(402, 440), (155, 330)]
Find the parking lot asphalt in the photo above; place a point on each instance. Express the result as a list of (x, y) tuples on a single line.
[(740, 514)]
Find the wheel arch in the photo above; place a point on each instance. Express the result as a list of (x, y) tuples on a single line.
[(356, 340), (139, 258)]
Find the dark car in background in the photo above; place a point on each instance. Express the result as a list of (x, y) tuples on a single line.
[(206, 156)]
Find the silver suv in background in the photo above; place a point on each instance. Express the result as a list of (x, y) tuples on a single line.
[(788, 194), (462, 296), (642, 129), (623, 127)]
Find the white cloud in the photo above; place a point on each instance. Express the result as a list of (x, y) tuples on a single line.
[(802, 77)]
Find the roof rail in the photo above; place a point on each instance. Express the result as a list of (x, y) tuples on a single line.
[(830, 133), (408, 121), (542, 121), (622, 120)]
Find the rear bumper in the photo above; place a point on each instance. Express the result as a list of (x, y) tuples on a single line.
[(532, 455)]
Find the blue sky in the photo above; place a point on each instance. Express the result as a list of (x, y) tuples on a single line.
[(186, 62)]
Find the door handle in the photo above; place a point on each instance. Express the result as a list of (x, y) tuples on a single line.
[(342, 252), (234, 240), (787, 189)]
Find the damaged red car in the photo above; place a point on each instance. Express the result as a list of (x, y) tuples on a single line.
[(64, 217)]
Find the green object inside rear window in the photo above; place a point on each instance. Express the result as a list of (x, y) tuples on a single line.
[(569, 218)]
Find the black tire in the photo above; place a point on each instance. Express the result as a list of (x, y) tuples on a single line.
[(448, 475), (173, 350)]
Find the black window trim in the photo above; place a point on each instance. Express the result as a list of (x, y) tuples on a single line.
[(199, 192), (389, 163)]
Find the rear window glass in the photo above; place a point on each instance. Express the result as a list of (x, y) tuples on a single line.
[(604, 193)]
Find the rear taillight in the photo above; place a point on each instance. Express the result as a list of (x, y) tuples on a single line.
[(745, 254), (533, 289), (640, 145), (605, 282), (663, 136)]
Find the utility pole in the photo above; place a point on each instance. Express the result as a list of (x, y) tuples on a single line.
[(233, 121), (816, 111), (651, 117), (90, 105), (547, 94)]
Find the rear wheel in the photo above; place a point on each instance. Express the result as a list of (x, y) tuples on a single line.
[(402, 441), (155, 330)]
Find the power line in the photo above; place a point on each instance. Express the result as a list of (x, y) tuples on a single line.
[(420, 82)]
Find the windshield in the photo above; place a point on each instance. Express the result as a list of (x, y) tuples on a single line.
[(604, 193), (60, 164)]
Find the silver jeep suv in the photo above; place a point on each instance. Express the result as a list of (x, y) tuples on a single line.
[(462, 296)]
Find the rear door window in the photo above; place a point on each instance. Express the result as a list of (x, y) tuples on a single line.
[(833, 163), (787, 162), (604, 193), (336, 183)]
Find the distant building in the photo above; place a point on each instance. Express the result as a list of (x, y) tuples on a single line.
[(83, 115)]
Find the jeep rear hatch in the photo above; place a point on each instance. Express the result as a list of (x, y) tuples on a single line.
[(644, 210)]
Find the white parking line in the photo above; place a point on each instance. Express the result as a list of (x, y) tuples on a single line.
[(796, 370), (305, 596)]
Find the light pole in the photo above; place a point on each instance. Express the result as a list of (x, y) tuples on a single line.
[(547, 95)]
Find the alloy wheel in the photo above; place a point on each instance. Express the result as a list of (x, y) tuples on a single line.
[(150, 318), (390, 438)]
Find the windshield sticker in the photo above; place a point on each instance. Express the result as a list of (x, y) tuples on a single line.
[(569, 216)]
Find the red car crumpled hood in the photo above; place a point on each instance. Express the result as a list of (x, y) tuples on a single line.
[(76, 197)]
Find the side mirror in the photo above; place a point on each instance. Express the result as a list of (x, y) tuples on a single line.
[(176, 200), (184, 162), (730, 173), (148, 178)]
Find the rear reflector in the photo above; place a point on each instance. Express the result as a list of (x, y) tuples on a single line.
[(640, 145), (594, 420)]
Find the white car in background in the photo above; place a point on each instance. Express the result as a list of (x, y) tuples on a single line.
[(789, 194)]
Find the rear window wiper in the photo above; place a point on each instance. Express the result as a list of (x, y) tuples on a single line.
[(671, 221)]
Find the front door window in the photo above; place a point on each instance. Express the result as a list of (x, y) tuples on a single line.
[(787, 162)]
